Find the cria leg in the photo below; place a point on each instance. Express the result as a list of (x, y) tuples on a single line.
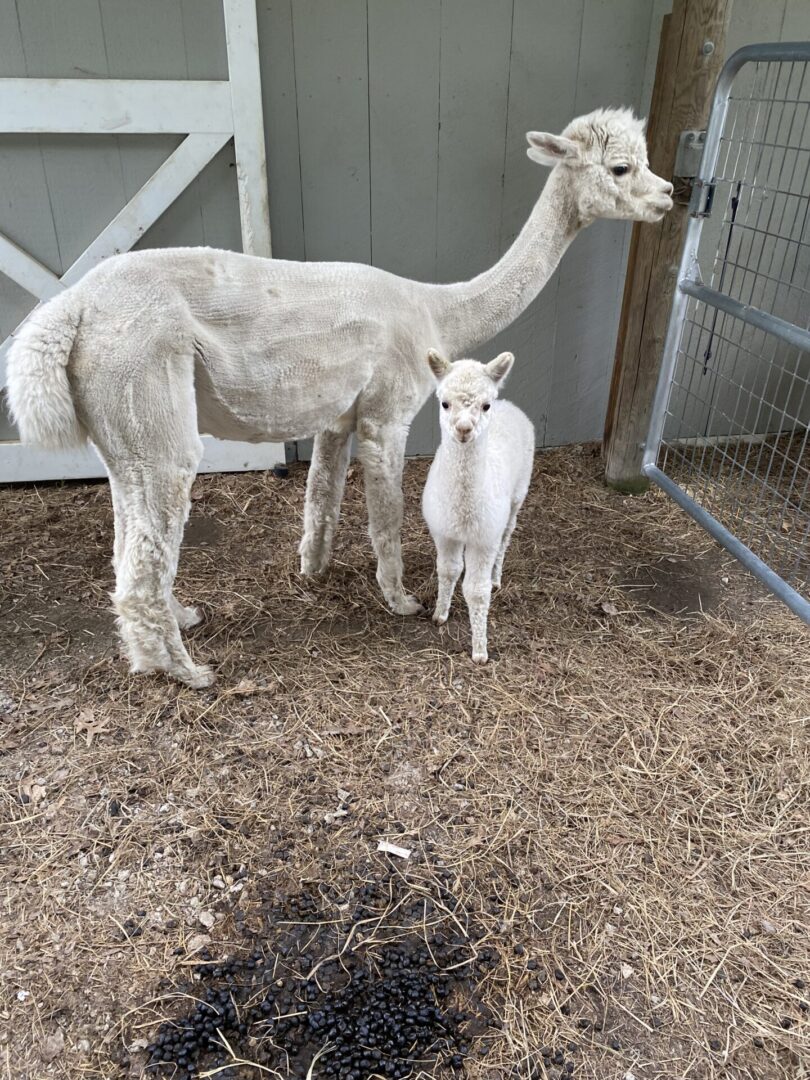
[(449, 564), (507, 536), (381, 449), (325, 482), (477, 590)]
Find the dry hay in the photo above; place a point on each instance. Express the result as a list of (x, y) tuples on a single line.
[(619, 801)]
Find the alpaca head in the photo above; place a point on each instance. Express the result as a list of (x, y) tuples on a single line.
[(605, 156), (466, 391)]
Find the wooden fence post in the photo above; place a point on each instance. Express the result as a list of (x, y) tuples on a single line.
[(690, 56)]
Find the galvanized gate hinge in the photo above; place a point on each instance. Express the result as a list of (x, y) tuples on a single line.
[(700, 204), (687, 163)]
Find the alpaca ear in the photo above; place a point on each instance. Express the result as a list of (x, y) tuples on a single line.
[(500, 367), (438, 365), (548, 149)]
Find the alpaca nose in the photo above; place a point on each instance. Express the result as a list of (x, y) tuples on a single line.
[(668, 188)]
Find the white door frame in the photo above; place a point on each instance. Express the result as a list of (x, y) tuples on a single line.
[(209, 113)]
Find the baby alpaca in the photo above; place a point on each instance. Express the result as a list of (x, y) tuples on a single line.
[(476, 484)]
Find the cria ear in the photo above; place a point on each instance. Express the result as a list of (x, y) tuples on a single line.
[(548, 149), (500, 367), (438, 365)]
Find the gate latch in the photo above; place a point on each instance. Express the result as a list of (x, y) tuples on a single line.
[(687, 162)]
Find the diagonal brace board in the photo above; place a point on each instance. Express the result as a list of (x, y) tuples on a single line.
[(156, 195)]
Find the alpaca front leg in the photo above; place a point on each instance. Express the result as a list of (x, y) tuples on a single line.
[(507, 536), (381, 450), (477, 591), (449, 564), (325, 483)]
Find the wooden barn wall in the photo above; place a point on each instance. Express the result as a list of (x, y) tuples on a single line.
[(395, 135)]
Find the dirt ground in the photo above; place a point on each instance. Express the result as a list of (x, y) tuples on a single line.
[(614, 810)]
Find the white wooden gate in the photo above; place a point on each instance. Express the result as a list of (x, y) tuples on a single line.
[(208, 113)]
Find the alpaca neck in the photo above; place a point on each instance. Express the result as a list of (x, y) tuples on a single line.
[(466, 464), (470, 313)]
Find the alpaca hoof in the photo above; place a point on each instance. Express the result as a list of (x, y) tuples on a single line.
[(406, 605), (188, 617), (313, 565), (496, 581), (439, 618), (480, 657), (198, 677)]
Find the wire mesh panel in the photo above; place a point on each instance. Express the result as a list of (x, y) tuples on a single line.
[(730, 428)]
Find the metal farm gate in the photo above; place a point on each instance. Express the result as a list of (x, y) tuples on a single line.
[(728, 435)]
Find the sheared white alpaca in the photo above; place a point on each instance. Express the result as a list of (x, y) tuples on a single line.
[(476, 484), (151, 347)]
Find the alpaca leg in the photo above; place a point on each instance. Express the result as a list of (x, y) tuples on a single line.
[(325, 482), (186, 616), (449, 564), (119, 521), (507, 536), (155, 502), (381, 449), (477, 590)]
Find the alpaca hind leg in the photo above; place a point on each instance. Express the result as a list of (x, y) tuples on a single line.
[(325, 482), (477, 591), (449, 564), (186, 616), (381, 449), (497, 569), (157, 503)]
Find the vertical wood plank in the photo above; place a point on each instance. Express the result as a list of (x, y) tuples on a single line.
[(146, 41), (331, 63), (248, 125), (84, 174), (476, 38), (25, 216), (611, 72), (215, 188), (404, 58), (277, 57), (542, 90), (796, 21), (161, 39)]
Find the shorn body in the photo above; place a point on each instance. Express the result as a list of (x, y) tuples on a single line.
[(151, 348), (476, 484)]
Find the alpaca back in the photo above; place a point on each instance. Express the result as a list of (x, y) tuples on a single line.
[(511, 449)]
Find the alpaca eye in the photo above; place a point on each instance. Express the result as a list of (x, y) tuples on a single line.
[(486, 407), (445, 404), (620, 170)]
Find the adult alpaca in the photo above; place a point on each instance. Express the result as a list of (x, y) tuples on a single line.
[(151, 347)]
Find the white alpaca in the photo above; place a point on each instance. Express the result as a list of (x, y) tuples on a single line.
[(476, 484), (151, 347)]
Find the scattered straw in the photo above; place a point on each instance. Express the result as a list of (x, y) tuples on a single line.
[(620, 800)]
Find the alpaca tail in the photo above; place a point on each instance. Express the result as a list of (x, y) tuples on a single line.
[(38, 389)]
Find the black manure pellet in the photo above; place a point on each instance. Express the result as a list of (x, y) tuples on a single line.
[(384, 1015)]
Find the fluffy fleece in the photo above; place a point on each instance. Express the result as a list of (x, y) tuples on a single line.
[(476, 484)]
